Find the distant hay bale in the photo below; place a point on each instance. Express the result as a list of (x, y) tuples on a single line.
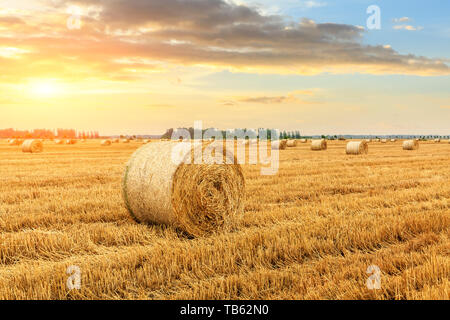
[(71, 141), (115, 140), (291, 143), (383, 140), (58, 141), (145, 141), (303, 140), (15, 142), (410, 145), (393, 140), (377, 140), (320, 144), (105, 143), (196, 198), (368, 140), (125, 141), (357, 147), (279, 145), (83, 140), (32, 146), (437, 140)]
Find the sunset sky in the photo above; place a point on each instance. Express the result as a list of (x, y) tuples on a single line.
[(141, 66)]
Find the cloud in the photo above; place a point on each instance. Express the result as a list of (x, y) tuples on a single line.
[(127, 39), (407, 27), (291, 97), (403, 19), (312, 4), (445, 107), (269, 100)]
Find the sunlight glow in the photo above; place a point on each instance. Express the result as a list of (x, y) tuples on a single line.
[(44, 88)]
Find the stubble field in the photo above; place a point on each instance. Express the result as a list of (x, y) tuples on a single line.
[(309, 232)]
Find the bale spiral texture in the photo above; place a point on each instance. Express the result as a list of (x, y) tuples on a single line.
[(410, 145), (317, 145), (357, 147), (196, 198), (32, 146)]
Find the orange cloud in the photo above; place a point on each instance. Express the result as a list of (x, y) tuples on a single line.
[(126, 40)]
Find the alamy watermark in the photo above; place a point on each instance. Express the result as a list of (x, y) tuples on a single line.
[(74, 279), (374, 20), (373, 282)]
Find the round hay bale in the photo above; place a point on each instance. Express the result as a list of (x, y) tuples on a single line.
[(196, 198), (57, 141), (410, 145), (32, 146), (115, 140), (303, 140), (125, 141), (291, 143), (383, 140), (357, 147), (106, 143), (279, 145), (145, 141), (393, 140), (320, 144), (437, 140), (71, 141), (15, 142)]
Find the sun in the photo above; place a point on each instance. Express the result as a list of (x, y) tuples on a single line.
[(44, 88)]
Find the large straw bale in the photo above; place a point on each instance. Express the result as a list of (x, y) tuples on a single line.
[(196, 198), (357, 147), (15, 142), (279, 144), (411, 145), (32, 146), (291, 143), (320, 144), (105, 143)]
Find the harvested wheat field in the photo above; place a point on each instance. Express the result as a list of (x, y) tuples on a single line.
[(309, 232)]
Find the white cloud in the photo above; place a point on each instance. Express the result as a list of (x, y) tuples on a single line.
[(407, 27), (403, 19)]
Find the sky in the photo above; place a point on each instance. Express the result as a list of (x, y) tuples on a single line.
[(142, 66)]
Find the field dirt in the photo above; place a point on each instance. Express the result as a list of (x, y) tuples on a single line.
[(309, 232)]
